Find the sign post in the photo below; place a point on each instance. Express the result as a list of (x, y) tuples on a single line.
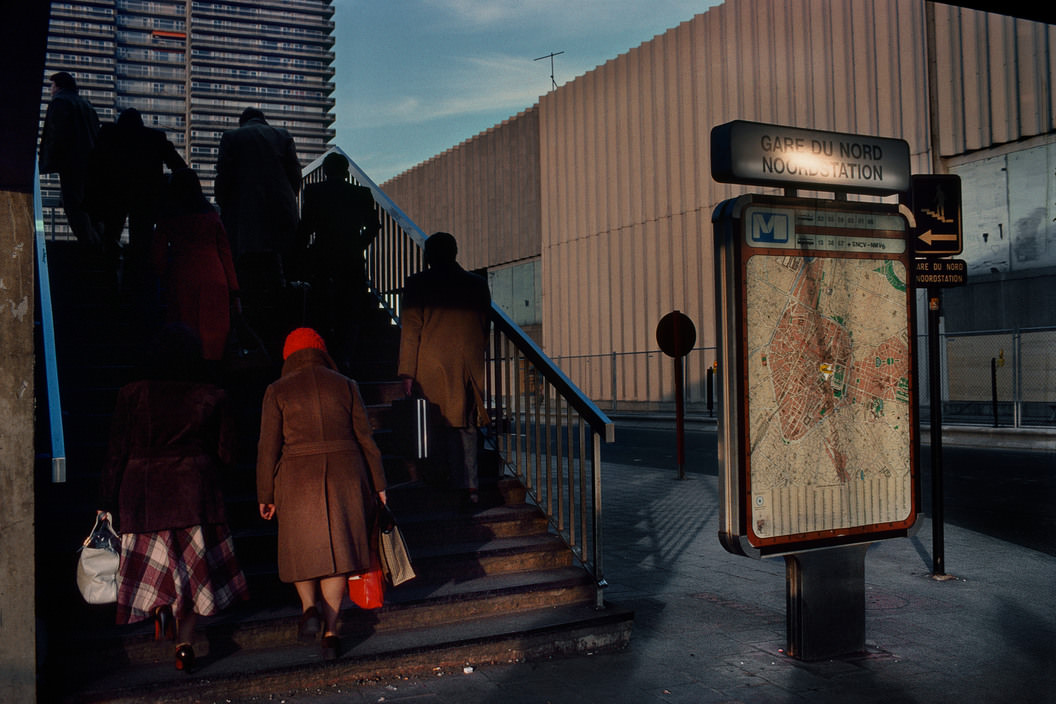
[(934, 214), (818, 435), (676, 336)]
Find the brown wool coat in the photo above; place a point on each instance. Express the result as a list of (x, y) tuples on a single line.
[(443, 339), (318, 463)]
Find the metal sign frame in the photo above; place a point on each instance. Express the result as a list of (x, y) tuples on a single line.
[(822, 230), (936, 229)]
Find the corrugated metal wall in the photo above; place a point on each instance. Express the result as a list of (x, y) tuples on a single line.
[(625, 162), (485, 192), (625, 191), (995, 79)]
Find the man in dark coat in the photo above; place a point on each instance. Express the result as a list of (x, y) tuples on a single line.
[(127, 180), (339, 220), (444, 335), (70, 128), (257, 179), (258, 176)]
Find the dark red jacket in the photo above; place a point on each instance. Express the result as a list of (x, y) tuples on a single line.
[(169, 441)]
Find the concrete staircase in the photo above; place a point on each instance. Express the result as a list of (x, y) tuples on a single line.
[(494, 585)]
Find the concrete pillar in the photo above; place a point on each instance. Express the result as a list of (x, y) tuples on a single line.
[(18, 666)]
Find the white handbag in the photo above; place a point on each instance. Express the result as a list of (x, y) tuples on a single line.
[(98, 562)]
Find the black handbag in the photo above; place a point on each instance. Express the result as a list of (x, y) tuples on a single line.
[(245, 350)]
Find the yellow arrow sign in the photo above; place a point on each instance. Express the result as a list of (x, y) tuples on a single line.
[(932, 237)]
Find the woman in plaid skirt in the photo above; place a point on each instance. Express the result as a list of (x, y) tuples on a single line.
[(171, 436)]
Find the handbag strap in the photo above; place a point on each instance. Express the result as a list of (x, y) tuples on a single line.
[(105, 518)]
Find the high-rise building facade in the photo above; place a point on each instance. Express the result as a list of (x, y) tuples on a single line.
[(192, 67)]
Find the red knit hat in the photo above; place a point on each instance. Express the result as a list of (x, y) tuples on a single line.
[(302, 339)]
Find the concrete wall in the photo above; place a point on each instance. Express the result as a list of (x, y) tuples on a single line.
[(23, 36), (17, 526), (484, 191)]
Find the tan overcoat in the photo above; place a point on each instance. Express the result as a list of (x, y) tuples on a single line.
[(318, 463), (443, 339)]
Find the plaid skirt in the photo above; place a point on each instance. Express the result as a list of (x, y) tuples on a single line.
[(191, 569)]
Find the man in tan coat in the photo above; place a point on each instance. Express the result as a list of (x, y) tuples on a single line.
[(444, 318)]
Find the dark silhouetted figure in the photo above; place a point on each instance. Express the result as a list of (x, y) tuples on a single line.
[(70, 129), (258, 176), (444, 334), (192, 256), (339, 220), (127, 179)]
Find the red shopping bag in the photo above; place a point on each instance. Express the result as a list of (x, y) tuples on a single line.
[(367, 590)]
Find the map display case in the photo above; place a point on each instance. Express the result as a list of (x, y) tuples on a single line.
[(818, 441)]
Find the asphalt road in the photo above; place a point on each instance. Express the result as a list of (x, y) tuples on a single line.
[(1007, 494)]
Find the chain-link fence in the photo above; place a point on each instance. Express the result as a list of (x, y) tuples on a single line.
[(997, 378), (643, 382)]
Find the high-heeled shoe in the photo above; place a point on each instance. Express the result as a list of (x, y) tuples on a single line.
[(164, 623), (184, 657), (331, 647)]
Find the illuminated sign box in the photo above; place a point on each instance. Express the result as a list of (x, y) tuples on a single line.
[(818, 434), (781, 156)]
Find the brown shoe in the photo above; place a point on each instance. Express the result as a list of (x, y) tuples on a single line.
[(331, 647)]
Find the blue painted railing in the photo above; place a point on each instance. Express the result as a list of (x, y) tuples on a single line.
[(47, 323)]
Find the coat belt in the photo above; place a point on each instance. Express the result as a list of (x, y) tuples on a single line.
[(318, 447)]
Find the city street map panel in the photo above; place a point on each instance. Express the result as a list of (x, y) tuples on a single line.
[(828, 393)]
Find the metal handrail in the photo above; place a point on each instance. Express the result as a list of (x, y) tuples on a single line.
[(547, 432), (47, 322)]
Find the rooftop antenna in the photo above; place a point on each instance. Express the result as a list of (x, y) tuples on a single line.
[(551, 56)]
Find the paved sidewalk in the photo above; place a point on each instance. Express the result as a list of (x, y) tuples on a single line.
[(710, 626)]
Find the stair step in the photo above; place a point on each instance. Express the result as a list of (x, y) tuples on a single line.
[(292, 666), (380, 393), (500, 556), (252, 626), (426, 529)]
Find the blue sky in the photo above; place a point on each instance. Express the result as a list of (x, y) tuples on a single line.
[(416, 77)]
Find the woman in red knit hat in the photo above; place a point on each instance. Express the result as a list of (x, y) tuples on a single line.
[(319, 473)]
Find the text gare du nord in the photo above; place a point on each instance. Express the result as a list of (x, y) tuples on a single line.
[(816, 158)]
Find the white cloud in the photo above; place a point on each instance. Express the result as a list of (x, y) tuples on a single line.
[(471, 85)]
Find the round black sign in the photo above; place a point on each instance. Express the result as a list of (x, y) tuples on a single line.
[(675, 334)]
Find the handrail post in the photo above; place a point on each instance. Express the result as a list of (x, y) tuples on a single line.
[(1017, 379), (599, 573)]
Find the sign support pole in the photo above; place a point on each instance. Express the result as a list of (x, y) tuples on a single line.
[(935, 403), (680, 413), (676, 336)]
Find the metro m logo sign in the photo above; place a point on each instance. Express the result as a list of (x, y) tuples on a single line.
[(769, 228)]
